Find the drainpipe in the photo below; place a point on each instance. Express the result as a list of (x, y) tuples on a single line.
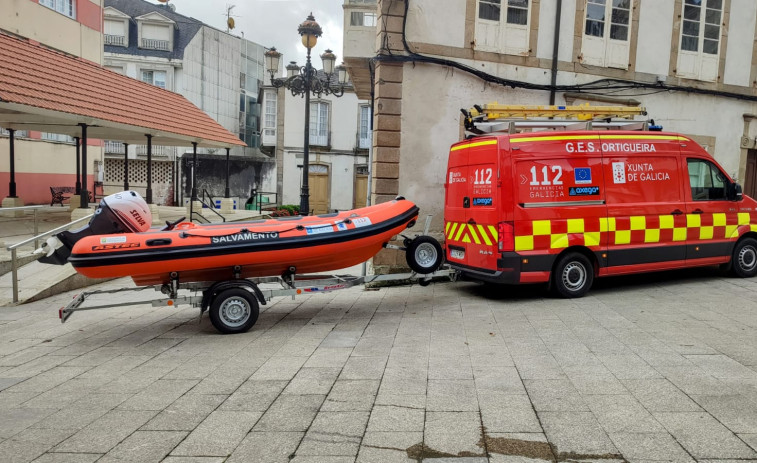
[(555, 49)]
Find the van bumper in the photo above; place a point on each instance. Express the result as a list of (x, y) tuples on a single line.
[(508, 270)]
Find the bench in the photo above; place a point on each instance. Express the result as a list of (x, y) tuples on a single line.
[(57, 193)]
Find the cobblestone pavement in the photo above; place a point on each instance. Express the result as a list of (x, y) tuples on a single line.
[(643, 369)]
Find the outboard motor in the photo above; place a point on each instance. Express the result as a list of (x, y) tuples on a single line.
[(124, 212)]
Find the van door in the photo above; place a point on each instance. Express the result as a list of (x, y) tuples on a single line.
[(470, 209), (712, 220), (644, 193)]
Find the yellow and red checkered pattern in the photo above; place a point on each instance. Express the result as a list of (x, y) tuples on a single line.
[(595, 231)]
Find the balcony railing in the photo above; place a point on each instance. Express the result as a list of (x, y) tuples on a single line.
[(118, 40), (154, 44), (157, 150), (114, 147)]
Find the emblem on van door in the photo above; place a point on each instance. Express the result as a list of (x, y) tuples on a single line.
[(584, 191), (619, 172), (582, 175), (482, 201)]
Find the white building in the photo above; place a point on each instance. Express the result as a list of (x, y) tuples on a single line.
[(339, 142), (691, 63)]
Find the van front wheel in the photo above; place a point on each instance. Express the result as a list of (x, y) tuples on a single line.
[(573, 275), (744, 260)]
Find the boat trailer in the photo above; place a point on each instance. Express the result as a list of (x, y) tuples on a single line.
[(233, 304)]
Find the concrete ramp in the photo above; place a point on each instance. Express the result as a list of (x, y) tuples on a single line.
[(37, 281)]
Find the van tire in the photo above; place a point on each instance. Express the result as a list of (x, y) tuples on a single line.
[(424, 254), (744, 259), (573, 275)]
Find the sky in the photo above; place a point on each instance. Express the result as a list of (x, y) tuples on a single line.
[(273, 23)]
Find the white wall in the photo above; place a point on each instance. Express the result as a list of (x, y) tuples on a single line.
[(655, 37), (740, 33)]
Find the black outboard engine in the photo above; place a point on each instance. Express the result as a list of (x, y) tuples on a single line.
[(124, 212)]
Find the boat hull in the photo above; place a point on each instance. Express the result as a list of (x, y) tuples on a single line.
[(247, 249)]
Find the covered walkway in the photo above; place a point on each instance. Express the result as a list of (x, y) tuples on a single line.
[(49, 91)]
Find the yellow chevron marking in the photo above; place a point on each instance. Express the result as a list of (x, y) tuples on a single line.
[(452, 230), (484, 235), (446, 227), (471, 145), (493, 231), (460, 232), (473, 234)]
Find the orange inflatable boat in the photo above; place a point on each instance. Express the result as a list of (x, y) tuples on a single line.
[(118, 242)]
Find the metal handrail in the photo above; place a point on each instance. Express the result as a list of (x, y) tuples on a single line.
[(211, 205), (12, 248)]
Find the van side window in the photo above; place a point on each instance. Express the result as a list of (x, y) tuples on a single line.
[(706, 180)]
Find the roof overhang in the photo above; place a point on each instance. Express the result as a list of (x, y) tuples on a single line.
[(47, 91)]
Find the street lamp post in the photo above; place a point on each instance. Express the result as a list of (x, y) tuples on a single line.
[(303, 81)]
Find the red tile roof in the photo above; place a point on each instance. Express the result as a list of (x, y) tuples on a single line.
[(38, 77)]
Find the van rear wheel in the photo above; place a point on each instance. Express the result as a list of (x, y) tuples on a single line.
[(744, 259), (573, 275)]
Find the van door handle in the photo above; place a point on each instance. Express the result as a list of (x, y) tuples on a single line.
[(677, 212), (697, 211), (471, 222)]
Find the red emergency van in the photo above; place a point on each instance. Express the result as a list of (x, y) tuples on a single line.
[(566, 207)]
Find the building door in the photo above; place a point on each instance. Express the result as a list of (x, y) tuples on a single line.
[(361, 186), (750, 179), (318, 178)]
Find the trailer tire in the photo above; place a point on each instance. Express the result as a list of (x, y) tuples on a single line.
[(234, 310), (573, 275), (424, 254), (744, 259)]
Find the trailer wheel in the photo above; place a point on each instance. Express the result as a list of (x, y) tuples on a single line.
[(424, 255), (234, 310), (744, 259), (573, 275)]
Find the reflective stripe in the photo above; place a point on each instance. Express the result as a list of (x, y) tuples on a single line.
[(556, 137), (471, 145), (483, 234)]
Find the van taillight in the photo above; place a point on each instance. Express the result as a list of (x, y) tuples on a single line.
[(506, 235)]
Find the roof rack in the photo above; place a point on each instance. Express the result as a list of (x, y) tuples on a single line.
[(495, 117)]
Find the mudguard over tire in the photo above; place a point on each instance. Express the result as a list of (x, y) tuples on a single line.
[(424, 254), (573, 275)]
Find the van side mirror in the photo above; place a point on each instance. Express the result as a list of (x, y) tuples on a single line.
[(734, 192)]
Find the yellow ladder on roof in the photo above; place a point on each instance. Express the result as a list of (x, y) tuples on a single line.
[(585, 112)]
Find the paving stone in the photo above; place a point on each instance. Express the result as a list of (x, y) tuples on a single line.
[(279, 368), (290, 413), (15, 420), (186, 413), (703, 436), (351, 395), (363, 368), (455, 433), (649, 446), (68, 458), (554, 395), (329, 357), (144, 446), (577, 433), (105, 432), (218, 435), (733, 411), (451, 395), (312, 381), (597, 385), (750, 439), (622, 414), (450, 367), (660, 395), (388, 447), (498, 379), (393, 418), (508, 413), (170, 459), (266, 447), (158, 395)]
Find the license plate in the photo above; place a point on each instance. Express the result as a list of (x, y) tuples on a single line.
[(457, 253)]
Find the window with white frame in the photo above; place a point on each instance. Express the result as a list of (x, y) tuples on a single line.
[(607, 33), (66, 7), (700, 39), (155, 37), (319, 123), (115, 32), (269, 117), (156, 78), (364, 137), (358, 18), (503, 26), (16, 133)]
